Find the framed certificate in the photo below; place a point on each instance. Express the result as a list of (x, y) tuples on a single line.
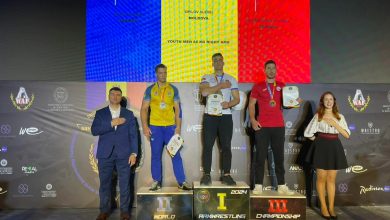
[(290, 96), (213, 105), (174, 144)]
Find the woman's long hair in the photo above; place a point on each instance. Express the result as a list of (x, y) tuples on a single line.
[(321, 108)]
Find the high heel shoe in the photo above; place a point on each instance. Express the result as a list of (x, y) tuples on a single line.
[(326, 217), (333, 216)]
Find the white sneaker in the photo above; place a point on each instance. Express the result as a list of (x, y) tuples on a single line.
[(258, 189), (283, 189)]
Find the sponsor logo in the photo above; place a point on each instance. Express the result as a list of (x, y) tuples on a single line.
[(5, 129), (292, 148), (243, 148), (3, 149), (359, 103), (343, 187), (22, 101), (60, 96), (29, 169), (194, 128), (364, 190), (386, 107), (289, 129), (370, 129), (29, 131), (277, 206), (48, 192), (355, 169), (23, 188), (3, 162), (203, 196), (295, 169), (3, 168), (2, 191)]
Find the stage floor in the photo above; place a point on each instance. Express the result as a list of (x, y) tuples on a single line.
[(350, 212)]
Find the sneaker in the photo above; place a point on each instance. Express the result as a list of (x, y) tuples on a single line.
[(185, 186), (155, 186), (258, 189), (206, 180), (283, 189), (228, 180)]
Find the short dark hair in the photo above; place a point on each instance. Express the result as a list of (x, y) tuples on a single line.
[(123, 102), (160, 66), (115, 89), (217, 55), (269, 62)]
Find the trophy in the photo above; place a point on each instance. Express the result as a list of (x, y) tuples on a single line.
[(290, 96), (213, 105), (174, 144)]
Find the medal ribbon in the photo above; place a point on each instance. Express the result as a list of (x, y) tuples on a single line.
[(269, 90), (162, 95)]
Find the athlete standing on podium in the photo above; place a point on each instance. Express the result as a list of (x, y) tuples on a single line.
[(218, 122), (163, 100), (269, 127)]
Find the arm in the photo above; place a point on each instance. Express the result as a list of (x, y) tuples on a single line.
[(177, 117), (252, 108), (133, 134), (235, 101), (311, 128), (100, 126), (145, 117), (205, 89), (340, 129)]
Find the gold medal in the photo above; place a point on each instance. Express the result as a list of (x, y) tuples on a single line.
[(272, 103)]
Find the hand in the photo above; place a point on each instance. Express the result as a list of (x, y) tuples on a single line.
[(255, 125), (225, 84), (147, 132), (177, 130), (300, 101), (132, 159), (225, 105), (117, 121), (330, 121)]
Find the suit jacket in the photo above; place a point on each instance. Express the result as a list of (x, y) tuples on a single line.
[(124, 138)]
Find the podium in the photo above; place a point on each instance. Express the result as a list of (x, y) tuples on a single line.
[(273, 205), (167, 203), (219, 201)]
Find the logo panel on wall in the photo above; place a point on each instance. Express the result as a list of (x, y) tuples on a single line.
[(60, 96), (22, 101), (359, 103)]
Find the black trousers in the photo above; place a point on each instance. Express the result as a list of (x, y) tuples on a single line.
[(221, 126), (274, 137)]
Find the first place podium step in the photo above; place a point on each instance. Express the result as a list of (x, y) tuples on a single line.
[(167, 203), (219, 201)]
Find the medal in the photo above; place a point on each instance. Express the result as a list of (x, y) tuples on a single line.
[(272, 103), (163, 105)]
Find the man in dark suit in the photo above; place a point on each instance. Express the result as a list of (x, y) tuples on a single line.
[(117, 147)]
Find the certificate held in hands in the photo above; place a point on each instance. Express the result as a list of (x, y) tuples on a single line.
[(174, 144), (214, 104), (290, 96)]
